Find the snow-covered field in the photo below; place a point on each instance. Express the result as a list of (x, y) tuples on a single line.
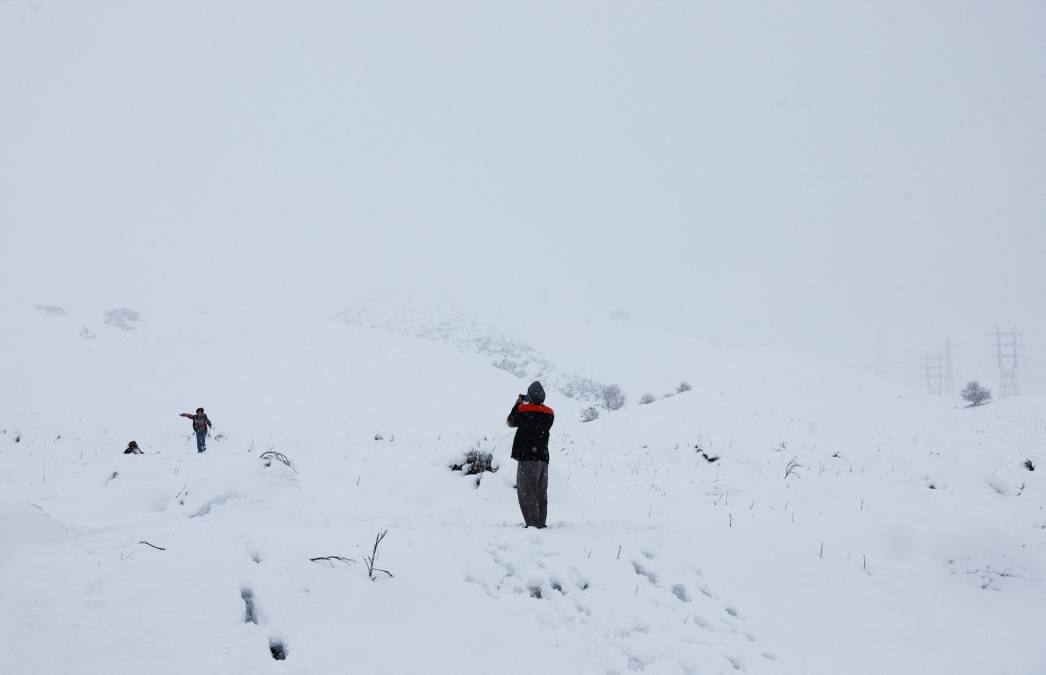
[(911, 538)]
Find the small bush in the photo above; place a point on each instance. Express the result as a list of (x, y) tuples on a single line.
[(475, 462), (1029, 465), (646, 399), (589, 414), (683, 387), (612, 397), (975, 394)]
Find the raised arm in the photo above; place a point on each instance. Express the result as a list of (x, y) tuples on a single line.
[(513, 417)]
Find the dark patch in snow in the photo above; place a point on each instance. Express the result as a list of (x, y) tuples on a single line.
[(210, 503), (1029, 465), (250, 614), (122, 318), (277, 649), (679, 590), (644, 572)]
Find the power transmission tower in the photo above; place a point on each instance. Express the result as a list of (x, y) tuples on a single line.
[(935, 374), (1006, 352), (949, 371)]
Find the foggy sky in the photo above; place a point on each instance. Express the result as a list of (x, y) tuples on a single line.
[(852, 182)]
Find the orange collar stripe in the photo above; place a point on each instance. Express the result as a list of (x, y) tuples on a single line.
[(530, 407)]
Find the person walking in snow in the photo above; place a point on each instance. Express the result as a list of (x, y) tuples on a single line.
[(532, 420), (133, 449), (201, 424)]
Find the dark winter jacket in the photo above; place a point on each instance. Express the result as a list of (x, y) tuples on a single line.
[(532, 424), (200, 422)]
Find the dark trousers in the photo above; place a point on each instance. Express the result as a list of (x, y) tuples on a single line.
[(532, 490), (201, 441)]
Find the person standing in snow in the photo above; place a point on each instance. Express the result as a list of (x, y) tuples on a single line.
[(532, 420), (133, 449), (201, 424)]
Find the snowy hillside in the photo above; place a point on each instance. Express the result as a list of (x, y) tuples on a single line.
[(909, 537)]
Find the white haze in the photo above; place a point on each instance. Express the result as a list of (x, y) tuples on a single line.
[(856, 183)]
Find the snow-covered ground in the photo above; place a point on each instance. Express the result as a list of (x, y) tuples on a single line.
[(911, 538)]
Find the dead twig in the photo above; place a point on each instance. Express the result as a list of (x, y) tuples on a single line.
[(332, 558), (158, 548), (371, 569), (792, 469), (270, 455)]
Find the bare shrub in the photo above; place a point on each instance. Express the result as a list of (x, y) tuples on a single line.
[(683, 387), (589, 414), (646, 399)]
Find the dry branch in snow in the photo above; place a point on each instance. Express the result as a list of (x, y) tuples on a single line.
[(332, 558), (270, 455), (371, 569)]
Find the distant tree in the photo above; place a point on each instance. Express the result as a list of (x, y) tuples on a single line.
[(683, 386), (589, 414), (612, 397), (646, 399), (975, 394)]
